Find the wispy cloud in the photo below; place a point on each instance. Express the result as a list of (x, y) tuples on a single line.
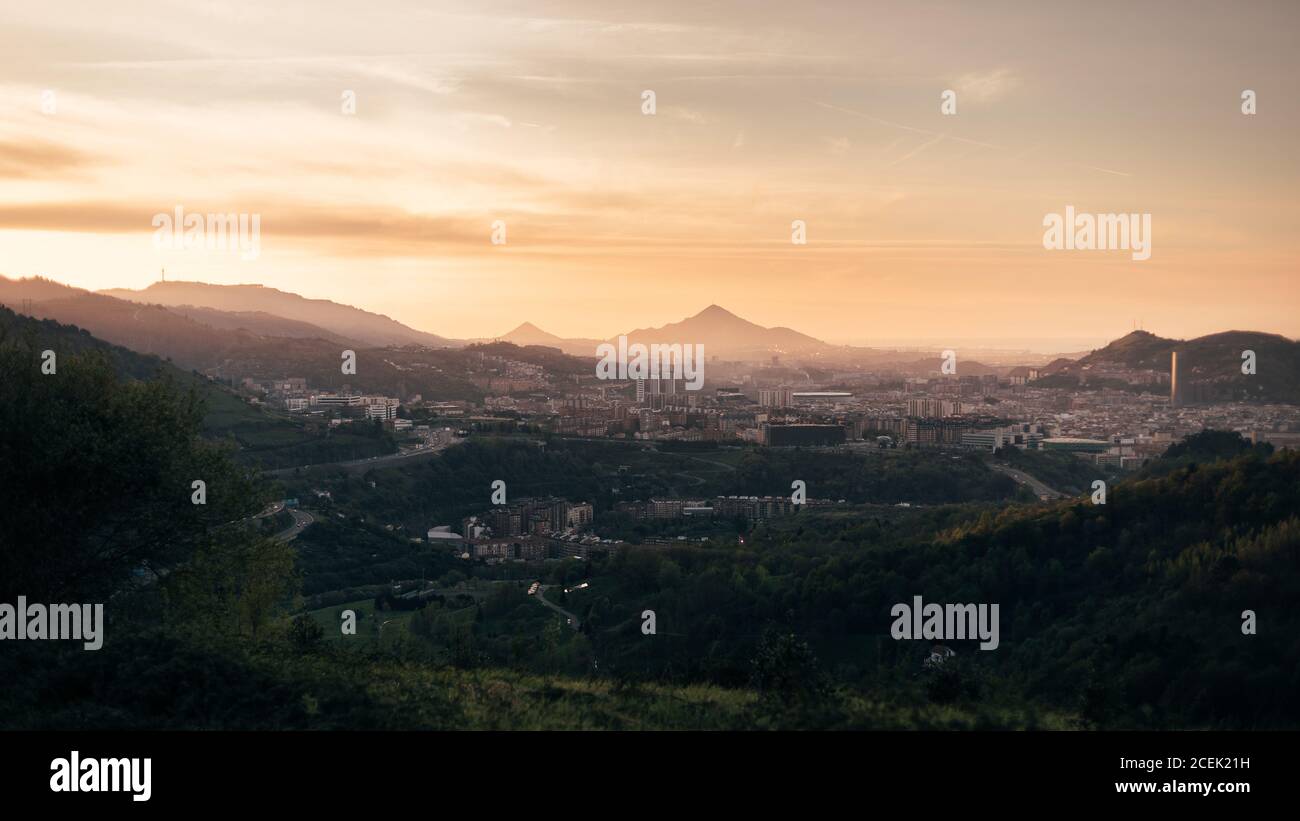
[(985, 87)]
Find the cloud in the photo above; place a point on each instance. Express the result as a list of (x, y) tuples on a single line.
[(690, 115), (986, 87), (838, 145), (41, 160)]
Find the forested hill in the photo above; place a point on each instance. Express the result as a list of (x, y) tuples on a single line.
[(1210, 363), (1130, 612), (223, 410)]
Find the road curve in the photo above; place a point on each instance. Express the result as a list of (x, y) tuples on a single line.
[(301, 519), (1023, 478), (573, 618)]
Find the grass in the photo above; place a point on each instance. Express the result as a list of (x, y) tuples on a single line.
[(368, 632)]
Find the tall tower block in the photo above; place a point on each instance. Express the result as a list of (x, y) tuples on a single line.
[(1175, 399)]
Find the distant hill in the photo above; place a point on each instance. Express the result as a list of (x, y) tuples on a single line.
[(1061, 363), (529, 334), (727, 335), (146, 329), (555, 362), (721, 332), (236, 353), (341, 320), (224, 409), (194, 338), (1139, 349), (262, 324), (965, 367), (36, 289), (1210, 365)]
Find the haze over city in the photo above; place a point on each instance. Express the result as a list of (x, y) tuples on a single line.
[(921, 227), (720, 370)]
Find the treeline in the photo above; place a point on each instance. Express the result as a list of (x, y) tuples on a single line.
[(924, 477), (458, 482), (1129, 612)]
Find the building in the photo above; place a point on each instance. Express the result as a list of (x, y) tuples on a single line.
[(335, 400), (775, 397), (933, 408), (1175, 382), (442, 536), (1076, 445), (664, 509), (1279, 441), (807, 397), (806, 435), (753, 508), (989, 440), (1024, 435), (580, 515)]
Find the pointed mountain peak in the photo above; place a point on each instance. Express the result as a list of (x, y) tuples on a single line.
[(529, 334), (715, 311)]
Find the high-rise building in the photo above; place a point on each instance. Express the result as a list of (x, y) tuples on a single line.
[(933, 408), (794, 435), (776, 397), (1175, 384)]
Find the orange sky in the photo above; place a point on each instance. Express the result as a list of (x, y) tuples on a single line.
[(920, 226)]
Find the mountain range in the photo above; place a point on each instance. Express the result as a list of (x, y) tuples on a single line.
[(257, 330), (371, 329), (722, 333)]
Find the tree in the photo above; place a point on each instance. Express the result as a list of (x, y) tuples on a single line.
[(98, 473), (305, 633), (785, 667)]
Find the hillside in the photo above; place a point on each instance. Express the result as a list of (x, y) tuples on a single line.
[(1130, 612), (260, 437), (724, 334), (529, 334), (234, 351), (343, 320), (261, 323), (224, 409), (1210, 365), (146, 329)]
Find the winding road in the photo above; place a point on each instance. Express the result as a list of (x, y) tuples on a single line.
[(572, 617), (301, 519), (1043, 491)]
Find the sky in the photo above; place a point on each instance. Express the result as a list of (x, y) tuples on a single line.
[(920, 225)]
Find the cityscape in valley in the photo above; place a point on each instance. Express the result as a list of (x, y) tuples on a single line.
[(731, 517), (717, 367)]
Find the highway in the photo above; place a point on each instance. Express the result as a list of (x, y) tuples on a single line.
[(371, 462), (301, 519), (573, 619), (1042, 490)]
